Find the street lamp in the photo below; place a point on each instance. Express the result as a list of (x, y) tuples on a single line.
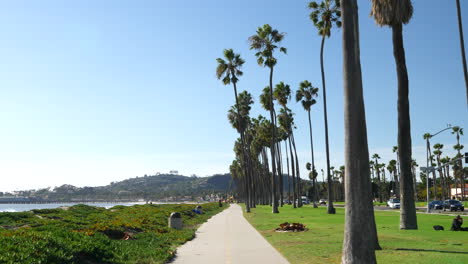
[(428, 136)]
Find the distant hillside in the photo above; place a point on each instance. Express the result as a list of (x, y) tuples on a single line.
[(146, 187)]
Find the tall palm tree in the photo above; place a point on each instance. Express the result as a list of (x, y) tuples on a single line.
[(306, 94), (376, 157), (229, 69), (282, 93), (395, 150), (458, 131), (360, 235), (462, 46), (265, 43), (438, 152), (394, 14), (414, 164), (371, 165), (324, 16)]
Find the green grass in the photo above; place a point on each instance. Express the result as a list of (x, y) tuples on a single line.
[(322, 243), (88, 234)]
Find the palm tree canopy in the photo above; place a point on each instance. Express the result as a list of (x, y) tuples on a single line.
[(427, 136), (286, 120), (282, 93), (376, 156), (265, 98), (265, 42), (395, 149), (241, 120), (391, 12), (457, 129), (229, 69), (306, 94), (438, 146), (325, 15)]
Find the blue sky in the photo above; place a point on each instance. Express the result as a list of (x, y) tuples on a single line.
[(99, 91)]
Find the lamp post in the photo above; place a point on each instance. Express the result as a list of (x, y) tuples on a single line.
[(428, 147)]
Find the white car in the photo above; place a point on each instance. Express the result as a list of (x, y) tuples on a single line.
[(394, 203)]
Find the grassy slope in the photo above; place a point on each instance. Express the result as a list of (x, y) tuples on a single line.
[(87, 234), (323, 242)]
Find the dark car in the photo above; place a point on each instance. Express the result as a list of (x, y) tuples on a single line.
[(453, 205), (436, 205)]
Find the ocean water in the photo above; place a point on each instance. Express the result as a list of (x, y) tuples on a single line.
[(28, 207)]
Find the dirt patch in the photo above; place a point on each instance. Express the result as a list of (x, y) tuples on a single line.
[(291, 227)]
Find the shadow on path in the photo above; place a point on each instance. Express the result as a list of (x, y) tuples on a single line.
[(432, 250)]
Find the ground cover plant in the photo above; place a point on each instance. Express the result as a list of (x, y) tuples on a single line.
[(88, 234), (322, 243)]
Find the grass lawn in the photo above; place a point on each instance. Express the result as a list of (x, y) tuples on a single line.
[(88, 234), (322, 243)]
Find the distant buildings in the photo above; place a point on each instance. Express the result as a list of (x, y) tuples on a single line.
[(457, 192)]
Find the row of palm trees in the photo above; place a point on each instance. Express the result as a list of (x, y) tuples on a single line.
[(360, 238), (443, 166), (259, 134)]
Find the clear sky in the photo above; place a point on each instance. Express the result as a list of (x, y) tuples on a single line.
[(99, 91)]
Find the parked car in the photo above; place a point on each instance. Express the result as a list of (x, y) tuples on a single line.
[(453, 205), (436, 205), (394, 203), (304, 200), (323, 201)]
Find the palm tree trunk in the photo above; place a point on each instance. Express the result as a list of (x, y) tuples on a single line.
[(244, 166), (313, 161), (293, 166), (379, 184), (407, 209), (360, 235), (462, 46), (280, 173), (272, 148), (287, 166), (298, 174), (448, 177), (330, 209), (414, 184), (435, 184)]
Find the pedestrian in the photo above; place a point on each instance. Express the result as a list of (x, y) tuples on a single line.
[(457, 223)]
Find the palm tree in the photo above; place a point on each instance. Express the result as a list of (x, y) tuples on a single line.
[(229, 69), (371, 165), (282, 93), (462, 46), (393, 165), (458, 147), (324, 16), (438, 152), (306, 94), (414, 164), (395, 150), (394, 14), (376, 157), (313, 177), (360, 235), (265, 42)]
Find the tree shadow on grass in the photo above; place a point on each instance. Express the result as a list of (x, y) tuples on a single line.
[(433, 250)]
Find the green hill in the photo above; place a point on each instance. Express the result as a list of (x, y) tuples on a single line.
[(146, 187)]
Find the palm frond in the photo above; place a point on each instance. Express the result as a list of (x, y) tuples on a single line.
[(220, 70)]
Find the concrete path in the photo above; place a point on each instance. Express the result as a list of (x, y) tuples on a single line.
[(228, 238)]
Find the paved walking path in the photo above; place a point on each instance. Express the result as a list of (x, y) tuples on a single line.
[(228, 238)]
